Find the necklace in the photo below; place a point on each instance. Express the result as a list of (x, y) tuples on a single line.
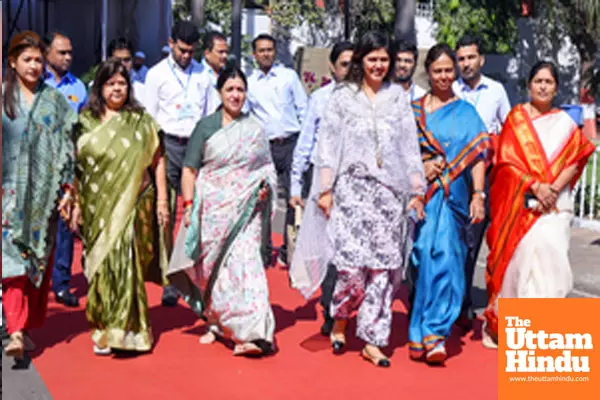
[(376, 136)]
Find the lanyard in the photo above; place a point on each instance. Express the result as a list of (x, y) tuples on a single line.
[(477, 99), (187, 85)]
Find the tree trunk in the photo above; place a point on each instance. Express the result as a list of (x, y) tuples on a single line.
[(197, 11), (404, 26)]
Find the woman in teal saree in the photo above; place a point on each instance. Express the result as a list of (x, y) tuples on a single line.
[(454, 147), (219, 258), (121, 184), (37, 159)]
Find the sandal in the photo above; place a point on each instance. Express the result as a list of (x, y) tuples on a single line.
[(488, 341), (15, 348), (437, 355), (102, 351), (247, 349), (382, 362)]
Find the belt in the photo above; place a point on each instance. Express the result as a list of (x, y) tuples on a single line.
[(284, 139), (178, 139)]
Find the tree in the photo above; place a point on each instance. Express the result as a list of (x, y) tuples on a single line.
[(492, 20), (404, 25)]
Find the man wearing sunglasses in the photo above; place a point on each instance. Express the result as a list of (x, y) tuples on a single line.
[(59, 56), (177, 95), (305, 154)]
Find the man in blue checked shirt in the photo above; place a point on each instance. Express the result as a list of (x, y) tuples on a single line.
[(277, 98), (305, 154), (59, 56)]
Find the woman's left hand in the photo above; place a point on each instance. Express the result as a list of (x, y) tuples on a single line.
[(418, 205), (477, 210), (162, 212)]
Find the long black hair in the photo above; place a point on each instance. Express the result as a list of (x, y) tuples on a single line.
[(370, 41), (96, 103)]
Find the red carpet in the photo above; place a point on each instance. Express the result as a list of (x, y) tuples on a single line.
[(303, 368)]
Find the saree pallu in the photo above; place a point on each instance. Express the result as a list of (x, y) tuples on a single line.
[(456, 133), (218, 262), (123, 245), (37, 157), (529, 251)]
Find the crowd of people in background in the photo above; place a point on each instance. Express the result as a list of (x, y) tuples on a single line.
[(396, 183)]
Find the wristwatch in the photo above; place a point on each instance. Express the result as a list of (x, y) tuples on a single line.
[(481, 194)]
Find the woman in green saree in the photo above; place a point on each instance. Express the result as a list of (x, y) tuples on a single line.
[(121, 184), (219, 258)]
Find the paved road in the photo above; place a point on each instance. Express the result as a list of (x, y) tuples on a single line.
[(26, 384)]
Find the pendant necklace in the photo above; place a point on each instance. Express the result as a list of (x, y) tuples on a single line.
[(376, 135)]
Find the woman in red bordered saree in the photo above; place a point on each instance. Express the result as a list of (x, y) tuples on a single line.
[(541, 154)]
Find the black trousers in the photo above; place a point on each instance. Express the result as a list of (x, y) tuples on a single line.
[(282, 152), (474, 235), (175, 147)]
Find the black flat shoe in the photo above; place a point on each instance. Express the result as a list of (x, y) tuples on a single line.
[(465, 320), (67, 298), (338, 346), (170, 296), (378, 362)]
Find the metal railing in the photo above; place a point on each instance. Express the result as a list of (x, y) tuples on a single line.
[(425, 9), (587, 192)]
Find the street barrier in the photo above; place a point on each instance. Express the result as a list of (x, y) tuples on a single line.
[(587, 195)]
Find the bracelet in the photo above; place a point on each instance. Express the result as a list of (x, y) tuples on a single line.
[(159, 201), (554, 190), (188, 204)]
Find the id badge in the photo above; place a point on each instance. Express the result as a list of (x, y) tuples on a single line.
[(186, 111)]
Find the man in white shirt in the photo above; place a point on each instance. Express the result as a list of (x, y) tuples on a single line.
[(278, 99), (405, 65), (176, 95), (121, 49), (215, 59), (489, 98), (305, 154)]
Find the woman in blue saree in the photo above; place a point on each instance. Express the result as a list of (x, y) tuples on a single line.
[(454, 148)]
